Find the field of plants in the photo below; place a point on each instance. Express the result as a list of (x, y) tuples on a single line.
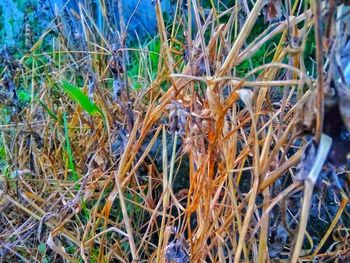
[(222, 136)]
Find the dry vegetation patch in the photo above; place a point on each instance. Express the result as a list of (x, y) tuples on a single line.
[(223, 139)]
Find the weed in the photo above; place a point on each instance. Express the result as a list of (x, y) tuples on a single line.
[(192, 145)]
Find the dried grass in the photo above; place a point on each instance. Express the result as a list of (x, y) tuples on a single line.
[(124, 205)]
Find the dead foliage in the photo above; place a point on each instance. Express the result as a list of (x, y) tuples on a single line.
[(203, 163)]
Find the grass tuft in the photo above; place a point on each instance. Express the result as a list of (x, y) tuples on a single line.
[(207, 142)]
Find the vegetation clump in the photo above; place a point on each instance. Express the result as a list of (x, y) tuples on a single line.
[(222, 138)]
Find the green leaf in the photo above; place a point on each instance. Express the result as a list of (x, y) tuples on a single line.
[(69, 150), (78, 96), (3, 162)]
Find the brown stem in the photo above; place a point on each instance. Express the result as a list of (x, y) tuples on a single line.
[(319, 60)]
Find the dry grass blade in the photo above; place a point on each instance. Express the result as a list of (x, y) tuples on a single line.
[(248, 25), (184, 144), (309, 183)]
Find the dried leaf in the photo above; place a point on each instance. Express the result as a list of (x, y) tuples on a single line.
[(306, 121), (215, 104), (246, 96), (59, 250), (277, 240), (272, 10), (307, 160), (99, 159), (176, 251)]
